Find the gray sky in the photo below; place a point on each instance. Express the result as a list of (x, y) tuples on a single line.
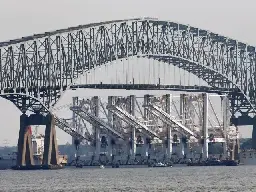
[(18, 18)]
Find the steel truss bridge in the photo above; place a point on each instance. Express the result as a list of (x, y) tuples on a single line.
[(154, 119), (36, 70)]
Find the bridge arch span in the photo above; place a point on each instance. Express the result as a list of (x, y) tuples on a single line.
[(26, 101), (215, 80), (47, 64)]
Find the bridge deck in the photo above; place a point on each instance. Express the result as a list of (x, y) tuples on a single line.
[(132, 86)]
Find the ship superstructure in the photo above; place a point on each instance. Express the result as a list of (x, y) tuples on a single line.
[(38, 144), (38, 150)]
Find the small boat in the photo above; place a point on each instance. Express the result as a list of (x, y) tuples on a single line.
[(102, 167), (159, 164)]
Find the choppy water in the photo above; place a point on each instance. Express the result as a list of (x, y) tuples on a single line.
[(190, 179)]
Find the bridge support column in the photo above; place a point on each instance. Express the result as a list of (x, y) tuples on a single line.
[(133, 142), (183, 121), (146, 118), (109, 148), (167, 98), (182, 108), (226, 119), (169, 142), (131, 109), (110, 121), (182, 148), (98, 144), (25, 155), (74, 124), (145, 147), (50, 156), (205, 125), (95, 101)]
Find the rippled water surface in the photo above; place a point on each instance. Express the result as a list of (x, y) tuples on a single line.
[(241, 178)]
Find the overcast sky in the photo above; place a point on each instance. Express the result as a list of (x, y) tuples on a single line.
[(20, 18)]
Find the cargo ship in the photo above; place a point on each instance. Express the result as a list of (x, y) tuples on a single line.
[(9, 160)]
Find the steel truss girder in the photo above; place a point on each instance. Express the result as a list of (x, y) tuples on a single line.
[(125, 116), (238, 100), (68, 128), (167, 118), (133, 86), (25, 103), (93, 119), (55, 59)]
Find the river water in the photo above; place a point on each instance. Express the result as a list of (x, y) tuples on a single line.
[(189, 179)]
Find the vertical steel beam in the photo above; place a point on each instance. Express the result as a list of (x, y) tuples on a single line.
[(169, 128), (183, 120), (95, 104), (74, 124), (182, 108), (133, 129), (225, 111), (146, 118), (74, 119), (110, 121), (205, 124)]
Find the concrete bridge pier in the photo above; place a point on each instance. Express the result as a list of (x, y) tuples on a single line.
[(25, 152), (245, 120), (50, 156)]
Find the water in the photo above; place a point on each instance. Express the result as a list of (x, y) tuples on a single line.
[(189, 179)]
